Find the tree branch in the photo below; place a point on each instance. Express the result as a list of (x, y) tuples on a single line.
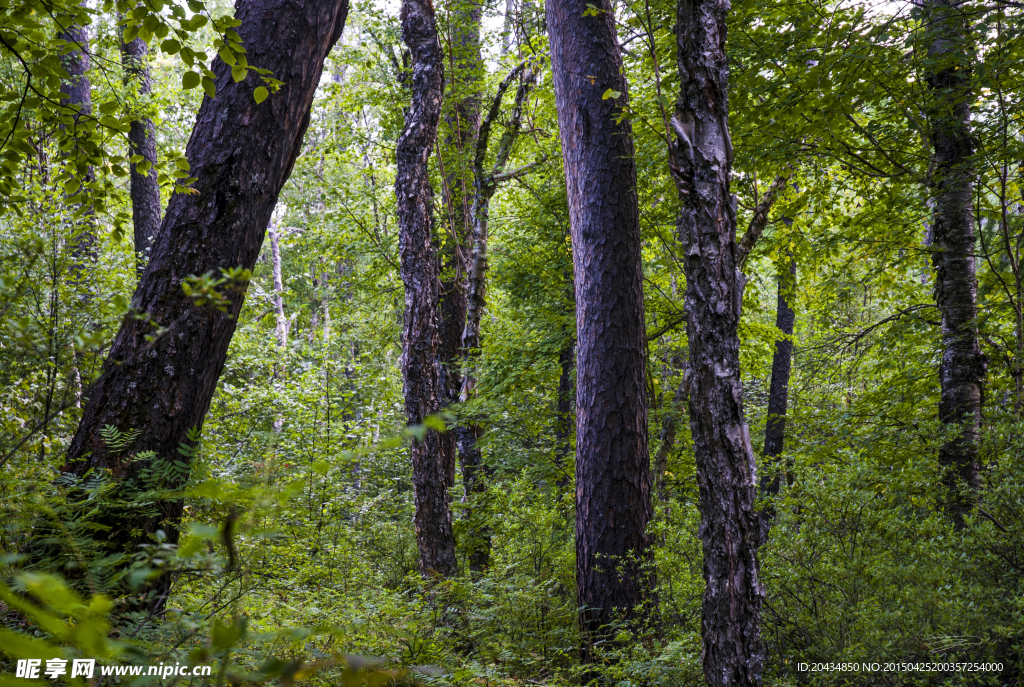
[(759, 220)]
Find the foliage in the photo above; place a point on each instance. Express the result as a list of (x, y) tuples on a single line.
[(298, 552)]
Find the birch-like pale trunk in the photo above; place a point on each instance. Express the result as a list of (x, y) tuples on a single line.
[(701, 159)]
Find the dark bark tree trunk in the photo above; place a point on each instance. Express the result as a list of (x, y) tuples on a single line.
[(241, 154), (421, 360), (701, 158), (485, 184), (613, 497), (778, 392), (145, 191), (76, 93), (962, 369)]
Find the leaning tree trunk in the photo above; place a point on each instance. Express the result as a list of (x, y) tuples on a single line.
[(241, 154), (726, 471), (778, 393), (613, 497), (145, 191), (421, 369), (962, 370)]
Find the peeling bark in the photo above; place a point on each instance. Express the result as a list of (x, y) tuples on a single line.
[(701, 160), (422, 370), (613, 500)]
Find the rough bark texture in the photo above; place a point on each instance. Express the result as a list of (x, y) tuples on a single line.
[(962, 370), (421, 362), (241, 154), (145, 191), (726, 472), (613, 498), (778, 393)]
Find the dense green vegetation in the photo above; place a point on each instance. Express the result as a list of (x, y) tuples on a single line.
[(298, 550)]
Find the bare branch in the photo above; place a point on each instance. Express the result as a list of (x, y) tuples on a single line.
[(519, 171)]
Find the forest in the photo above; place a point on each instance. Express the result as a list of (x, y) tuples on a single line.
[(614, 343)]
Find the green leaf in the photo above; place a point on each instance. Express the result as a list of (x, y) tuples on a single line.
[(190, 80), (238, 73), (226, 55), (170, 46), (610, 93), (260, 94), (209, 87)]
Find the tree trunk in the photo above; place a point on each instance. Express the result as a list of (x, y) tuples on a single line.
[(76, 92), (421, 369), (461, 128), (778, 394), (484, 186), (701, 158), (241, 154), (281, 321), (145, 191), (613, 498), (962, 369)]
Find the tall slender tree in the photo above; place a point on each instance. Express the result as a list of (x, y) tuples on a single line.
[(163, 366), (961, 373), (485, 184), (461, 131), (613, 499), (76, 96), (701, 160), (422, 370), (145, 191)]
